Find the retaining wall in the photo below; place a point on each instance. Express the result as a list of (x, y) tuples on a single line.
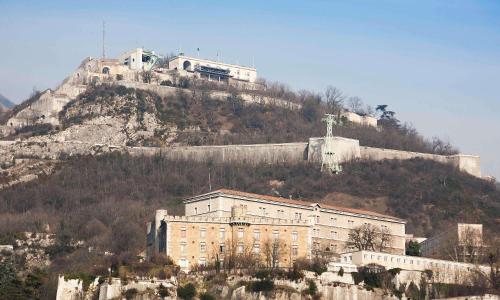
[(251, 154)]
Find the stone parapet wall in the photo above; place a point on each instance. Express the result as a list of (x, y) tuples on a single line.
[(252, 220)]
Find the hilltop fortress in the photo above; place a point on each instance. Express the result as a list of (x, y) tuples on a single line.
[(137, 69), (145, 70)]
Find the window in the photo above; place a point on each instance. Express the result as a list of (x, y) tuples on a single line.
[(183, 248), (196, 210), (183, 232), (295, 236), (317, 219), (240, 233), (333, 221), (350, 223), (295, 251), (203, 233), (203, 247), (221, 247), (298, 216), (209, 208), (262, 211), (256, 235), (280, 213), (333, 248), (222, 233), (334, 234), (276, 234), (183, 263), (202, 261), (240, 248), (256, 248)]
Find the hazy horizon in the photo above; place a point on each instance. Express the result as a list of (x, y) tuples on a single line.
[(435, 63)]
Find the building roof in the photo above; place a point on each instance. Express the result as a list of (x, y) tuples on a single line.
[(306, 203)]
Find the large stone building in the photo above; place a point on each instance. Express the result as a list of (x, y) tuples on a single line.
[(202, 240), (211, 70), (226, 218)]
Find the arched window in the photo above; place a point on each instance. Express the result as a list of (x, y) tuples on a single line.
[(105, 70), (186, 65)]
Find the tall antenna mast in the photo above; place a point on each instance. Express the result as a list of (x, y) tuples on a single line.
[(103, 39)]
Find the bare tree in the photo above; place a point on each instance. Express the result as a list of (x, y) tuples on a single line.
[(334, 99), (464, 245), (369, 237), (273, 251), (470, 243), (355, 104)]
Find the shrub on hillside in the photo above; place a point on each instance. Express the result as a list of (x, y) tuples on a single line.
[(187, 291)]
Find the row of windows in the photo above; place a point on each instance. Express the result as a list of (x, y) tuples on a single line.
[(280, 213), (239, 249), (240, 234), (411, 261), (209, 209)]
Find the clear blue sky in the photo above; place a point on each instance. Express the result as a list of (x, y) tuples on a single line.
[(436, 63)]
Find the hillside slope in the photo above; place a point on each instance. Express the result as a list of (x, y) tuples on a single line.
[(124, 116)]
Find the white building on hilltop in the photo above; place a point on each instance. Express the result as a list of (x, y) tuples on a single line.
[(211, 70)]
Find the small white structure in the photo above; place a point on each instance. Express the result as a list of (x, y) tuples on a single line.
[(211, 70), (7, 248), (444, 271), (69, 289), (139, 59), (365, 120)]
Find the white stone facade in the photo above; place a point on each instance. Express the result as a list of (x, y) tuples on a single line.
[(212, 70), (444, 271), (365, 120)]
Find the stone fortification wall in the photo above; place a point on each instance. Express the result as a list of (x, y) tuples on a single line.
[(346, 149), (467, 163), (252, 154), (221, 95)]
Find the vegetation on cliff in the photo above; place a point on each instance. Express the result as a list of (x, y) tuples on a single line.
[(202, 119)]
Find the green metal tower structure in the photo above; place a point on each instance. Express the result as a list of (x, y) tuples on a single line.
[(329, 161)]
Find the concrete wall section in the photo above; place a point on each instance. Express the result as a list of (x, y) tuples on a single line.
[(251, 154), (467, 163), (381, 154), (346, 149)]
